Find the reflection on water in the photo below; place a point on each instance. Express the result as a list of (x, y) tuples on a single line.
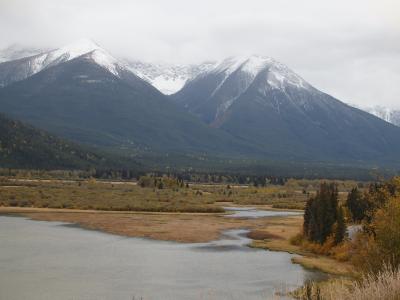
[(251, 212), (44, 260)]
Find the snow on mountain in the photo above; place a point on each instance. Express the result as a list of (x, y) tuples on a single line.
[(234, 76), (74, 50), (16, 70), (385, 113), (167, 78), (278, 75), (17, 51)]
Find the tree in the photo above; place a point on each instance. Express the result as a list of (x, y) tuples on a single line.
[(307, 217), (386, 225), (340, 228), (357, 205), (321, 214)]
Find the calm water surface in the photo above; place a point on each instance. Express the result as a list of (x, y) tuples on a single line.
[(52, 260)]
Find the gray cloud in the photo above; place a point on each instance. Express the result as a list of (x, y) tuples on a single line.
[(350, 49)]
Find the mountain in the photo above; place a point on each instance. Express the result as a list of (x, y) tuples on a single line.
[(385, 113), (167, 78), (16, 70), (92, 98), (23, 146), (263, 102)]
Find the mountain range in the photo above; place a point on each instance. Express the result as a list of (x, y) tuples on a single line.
[(82, 93), (250, 107)]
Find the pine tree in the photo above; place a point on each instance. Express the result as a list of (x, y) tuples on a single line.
[(307, 217), (357, 205), (340, 228), (321, 214)]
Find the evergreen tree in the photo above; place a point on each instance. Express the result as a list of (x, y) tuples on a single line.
[(321, 214), (340, 230), (357, 205), (307, 217)]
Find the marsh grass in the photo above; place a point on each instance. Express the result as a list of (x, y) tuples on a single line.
[(383, 286), (125, 196), (103, 196), (98, 195)]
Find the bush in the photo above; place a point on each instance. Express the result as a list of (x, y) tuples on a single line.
[(296, 240)]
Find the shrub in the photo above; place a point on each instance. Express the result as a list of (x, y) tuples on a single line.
[(383, 286), (296, 240)]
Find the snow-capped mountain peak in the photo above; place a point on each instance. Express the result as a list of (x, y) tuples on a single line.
[(20, 69), (74, 50), (255, 78), (237, 75), (278, 75), (250, 64)]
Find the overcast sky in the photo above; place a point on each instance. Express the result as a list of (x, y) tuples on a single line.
[(349, 49)]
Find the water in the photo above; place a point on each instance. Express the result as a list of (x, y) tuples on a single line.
[(48, 260), (352, 230), (251, 212)]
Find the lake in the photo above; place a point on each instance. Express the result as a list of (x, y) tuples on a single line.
[(52, 260)]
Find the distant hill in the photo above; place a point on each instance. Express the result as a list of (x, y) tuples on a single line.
[(23, 146)]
